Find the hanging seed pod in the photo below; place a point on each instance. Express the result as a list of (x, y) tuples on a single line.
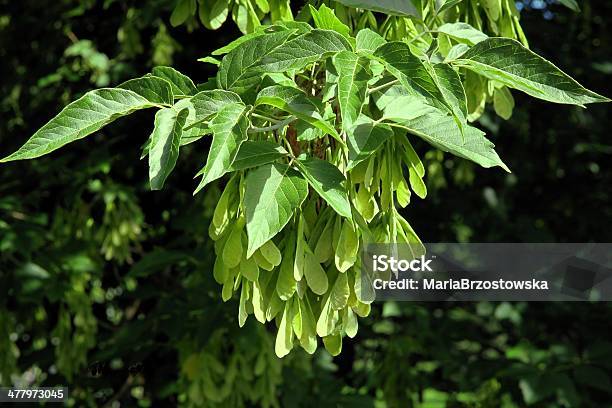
[(348, 247), (286, 284), (324, 244), (315, 274)]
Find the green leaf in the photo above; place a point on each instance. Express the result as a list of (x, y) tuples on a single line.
[(441, 131), (240, 40), (165, 142), (449, 83), (191, 131), (353, 77), (593, 377), (456, 52), (297, 103), (364, 139), (255, 154), (412, 73), (325, 19), (210, 60), (90, 113), (394, 7), (443, 5), (301, 51), (398, 105), (436, 128), (183, 10), (154, 89), (463, 32), (229, 129), (182, 85), (494, 9), (208, 103), (273, 192), (240, 70), (328, 181), (218, 14), (571, 4), (508, 62), (368, 40)]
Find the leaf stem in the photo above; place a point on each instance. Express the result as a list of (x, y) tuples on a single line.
[(383, 86), (278, 125)]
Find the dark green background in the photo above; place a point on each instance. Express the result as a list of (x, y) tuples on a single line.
[(157, 302)]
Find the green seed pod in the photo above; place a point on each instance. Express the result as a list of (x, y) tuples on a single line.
[(340, 292), (324, 245), (270, 251), (225, 209), (308, 339), (244, 298), (417, 184), (261, 261), (368, 178), (403, 193), (297, 322), (314, 273), (220, 271), (336, 232), (298, 263), (333, 344), (320, 225), (387, 186), (228, 285), (258, 303), (348, 246), (274, 306), (301, 288), (284, 337), (286, 284), (328, 319), (359, 171), (350, 325), (249, 268), (232, 250), (365, 203), (361, 309)]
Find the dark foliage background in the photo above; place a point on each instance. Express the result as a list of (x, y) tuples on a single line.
[(106, 287)]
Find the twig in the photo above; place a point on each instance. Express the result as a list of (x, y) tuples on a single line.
[(278, 125)]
